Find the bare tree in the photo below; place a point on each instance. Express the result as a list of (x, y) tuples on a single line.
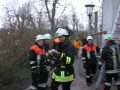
[(51, 14), (20, 16), (63, 21), (41, 20), (74, 19)]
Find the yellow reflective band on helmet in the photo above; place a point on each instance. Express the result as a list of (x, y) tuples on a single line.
[(61, 56), (62, 79), (62, 73), (33, 67), (68, 60)]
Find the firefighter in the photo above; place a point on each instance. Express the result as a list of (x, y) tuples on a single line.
[(89, 59), (37, 58), (63, 54), (47, 38), (111, 57)]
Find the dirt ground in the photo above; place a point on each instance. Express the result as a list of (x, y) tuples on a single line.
[(79, 82)]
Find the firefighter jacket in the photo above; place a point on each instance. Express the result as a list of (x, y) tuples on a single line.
[(111, 57), (89, 54), (37, 58), (46, 46), (77, 44), (64, 70)]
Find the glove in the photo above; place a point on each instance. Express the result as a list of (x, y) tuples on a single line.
[(84, 66), (54, 53)]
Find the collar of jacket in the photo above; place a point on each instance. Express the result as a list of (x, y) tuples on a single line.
[(91, 45), (40, 46)]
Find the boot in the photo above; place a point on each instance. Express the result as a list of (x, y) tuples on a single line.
[(88, 81), (47, 87), (118, 87), (33, 88), (107, 87), (91, 82), (41, 88)]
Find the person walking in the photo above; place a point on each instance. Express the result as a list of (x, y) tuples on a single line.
[(89, 59), (63, 54), (84, 41), (47, 38), (77, 44), (111, 57), (37, 59)]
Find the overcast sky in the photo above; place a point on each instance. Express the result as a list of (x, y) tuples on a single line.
[(78, 4)]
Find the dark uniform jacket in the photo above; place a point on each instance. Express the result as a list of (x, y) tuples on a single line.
[(110, 57), (46, 46), (33, 52), (89, 54), (66, 62)]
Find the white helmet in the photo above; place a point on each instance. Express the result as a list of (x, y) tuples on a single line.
[(39, 37), (89, 37), (61, 32), (108, 36), (47, 36)]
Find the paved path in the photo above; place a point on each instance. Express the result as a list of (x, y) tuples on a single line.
[(79, 83)]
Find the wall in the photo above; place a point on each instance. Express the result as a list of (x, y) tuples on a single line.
[(110, 8), (109, 12)]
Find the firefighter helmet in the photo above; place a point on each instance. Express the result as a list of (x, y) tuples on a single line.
[(89, 37), (108, 36), (39, 37), (47, 36), (61, 32)]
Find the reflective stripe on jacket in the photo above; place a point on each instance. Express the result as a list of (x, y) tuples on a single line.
[(63, 78)]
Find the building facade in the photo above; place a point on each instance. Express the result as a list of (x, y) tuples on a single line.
[(110, 9)]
